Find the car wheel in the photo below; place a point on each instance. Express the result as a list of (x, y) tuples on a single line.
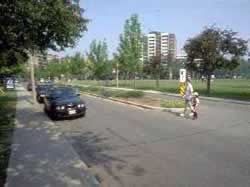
[(45, 110), (53, 116), (83, 115), (38, 99)]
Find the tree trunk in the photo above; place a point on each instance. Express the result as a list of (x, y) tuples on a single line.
[(158, 74), (208, 83), (32, 59), (170, 74), (157, 82), (134, 80), (126, 79)]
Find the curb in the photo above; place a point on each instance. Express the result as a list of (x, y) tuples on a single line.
[(170, 110), (121, 101)]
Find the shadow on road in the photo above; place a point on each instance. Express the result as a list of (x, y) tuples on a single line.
[(93, 149)]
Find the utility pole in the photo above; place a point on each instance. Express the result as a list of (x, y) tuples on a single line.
[(32, 76), (117, 75)]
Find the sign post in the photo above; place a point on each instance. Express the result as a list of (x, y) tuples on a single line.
[(182, 88)]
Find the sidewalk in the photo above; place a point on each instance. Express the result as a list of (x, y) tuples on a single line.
[(40, 155)]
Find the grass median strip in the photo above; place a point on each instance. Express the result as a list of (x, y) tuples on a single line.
[(132, 96), (112, 93), (173, 104), (7, 116)]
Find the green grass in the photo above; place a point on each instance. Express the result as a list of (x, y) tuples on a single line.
[(7, 115), (223, 88), (128, 94), (111, 93), (173, 104)]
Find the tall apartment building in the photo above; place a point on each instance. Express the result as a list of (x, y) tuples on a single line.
[(160, 44), (144, 48)]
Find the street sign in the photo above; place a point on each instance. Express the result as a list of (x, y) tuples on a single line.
[(183, 74), (10, 84), (182, 88)]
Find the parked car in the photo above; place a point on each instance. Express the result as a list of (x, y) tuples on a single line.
[(29, 86), (63, 102), (42, 91)]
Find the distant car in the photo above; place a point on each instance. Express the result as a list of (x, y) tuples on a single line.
[(63, 102), (29, 86), (42, 91)]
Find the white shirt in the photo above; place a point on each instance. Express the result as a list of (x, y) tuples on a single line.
[(189, 91)]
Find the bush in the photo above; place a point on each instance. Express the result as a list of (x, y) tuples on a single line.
[(89, 89), (106, 93), (128, 94), (93, 89)]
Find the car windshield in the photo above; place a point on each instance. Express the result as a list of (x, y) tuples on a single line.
[(44, 87), (63, 92)]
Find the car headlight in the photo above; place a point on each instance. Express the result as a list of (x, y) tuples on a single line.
[(60, 107), (80, 105)]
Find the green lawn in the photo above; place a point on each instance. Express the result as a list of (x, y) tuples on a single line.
[(7, 115), (224, 88)]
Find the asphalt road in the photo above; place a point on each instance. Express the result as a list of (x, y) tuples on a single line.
[(128, 146)]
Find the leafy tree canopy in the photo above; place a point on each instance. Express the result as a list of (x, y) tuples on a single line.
[(214, 48), (98, 56), (129, 50), (28, 26)]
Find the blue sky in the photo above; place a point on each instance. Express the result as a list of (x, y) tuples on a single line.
[(185, 18)]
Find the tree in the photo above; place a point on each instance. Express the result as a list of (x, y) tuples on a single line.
[(77, 64), (98, 56), (28, 26), (129, 50), (154, 67), (10, 62), (214, 49), (243, 71)]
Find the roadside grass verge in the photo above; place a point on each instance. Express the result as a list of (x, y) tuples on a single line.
[(134, 96), (7, 116), (222, 88), (172, 104), (111, 93)]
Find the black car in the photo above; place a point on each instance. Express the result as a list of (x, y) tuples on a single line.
[(42, 91), (62, 102)]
